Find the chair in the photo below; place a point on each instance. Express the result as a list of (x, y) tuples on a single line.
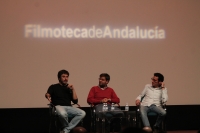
[(151, 115), (93, 118), (96, 120), (54, 117)]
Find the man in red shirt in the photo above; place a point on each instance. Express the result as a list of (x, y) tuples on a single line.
[(103, 94)]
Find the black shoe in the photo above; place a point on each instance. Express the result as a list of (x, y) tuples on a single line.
[(156, 129)]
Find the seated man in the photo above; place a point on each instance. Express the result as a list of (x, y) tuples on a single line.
[(61, 95), (154, 96), (103, 94)]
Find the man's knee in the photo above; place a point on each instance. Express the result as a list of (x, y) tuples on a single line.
[(164, 113), (82, 113)]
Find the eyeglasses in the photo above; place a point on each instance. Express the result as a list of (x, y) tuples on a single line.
[(102, 79), (154, 80)]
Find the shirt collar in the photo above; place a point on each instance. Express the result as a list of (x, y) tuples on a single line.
[(103, 88), (157, 88)]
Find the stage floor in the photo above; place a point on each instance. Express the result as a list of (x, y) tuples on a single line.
[(178, 131), (183, 131)]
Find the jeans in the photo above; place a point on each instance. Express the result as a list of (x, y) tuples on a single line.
[(67, 111), (144, 110)]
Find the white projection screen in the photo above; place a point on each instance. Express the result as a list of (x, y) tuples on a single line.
[(128, 39)]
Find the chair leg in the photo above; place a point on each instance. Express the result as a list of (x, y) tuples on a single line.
[(93, 124), (103, 125), (116, 124), (98, 125), (164, 129)]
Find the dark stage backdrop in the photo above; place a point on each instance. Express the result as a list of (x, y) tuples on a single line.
[(37, 120), (128, 39)]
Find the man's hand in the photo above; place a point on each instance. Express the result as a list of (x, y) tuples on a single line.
[(48, 96), (163, 85), (109, 99), (105, 100), (137, 102), (70, 87)]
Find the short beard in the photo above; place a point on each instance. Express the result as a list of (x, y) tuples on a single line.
[(102, 86), (64, 84)]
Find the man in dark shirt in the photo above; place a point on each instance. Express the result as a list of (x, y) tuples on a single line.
[(61, 95)]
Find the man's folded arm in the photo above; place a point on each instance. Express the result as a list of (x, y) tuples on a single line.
[(114, 98), (164, 96)]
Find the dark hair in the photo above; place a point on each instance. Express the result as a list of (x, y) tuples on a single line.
[(107, 76), (160, 77), (62, 72)]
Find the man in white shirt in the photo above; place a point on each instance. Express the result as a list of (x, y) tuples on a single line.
[(151, 99)]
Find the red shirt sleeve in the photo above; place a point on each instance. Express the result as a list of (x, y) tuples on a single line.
[(114, 97), (91, 99)]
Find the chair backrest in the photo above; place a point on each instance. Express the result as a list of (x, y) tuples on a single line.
[(52, 109)]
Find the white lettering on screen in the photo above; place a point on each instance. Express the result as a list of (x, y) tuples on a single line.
[(38, 31)]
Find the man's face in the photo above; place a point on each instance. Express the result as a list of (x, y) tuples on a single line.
[(155, 82), (64, 79), (103, 82)]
